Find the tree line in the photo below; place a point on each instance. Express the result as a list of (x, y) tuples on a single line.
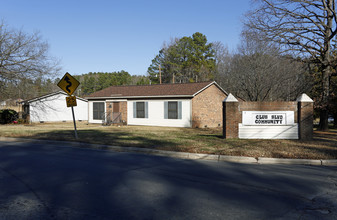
[(89, 83), (95, 81)]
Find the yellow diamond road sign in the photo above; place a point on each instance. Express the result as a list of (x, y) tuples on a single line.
[(68, 84)]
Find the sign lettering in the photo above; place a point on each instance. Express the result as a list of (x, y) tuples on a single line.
[(267, 117), (71, 101)]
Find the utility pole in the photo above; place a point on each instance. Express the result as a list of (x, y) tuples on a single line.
[(159, 74)]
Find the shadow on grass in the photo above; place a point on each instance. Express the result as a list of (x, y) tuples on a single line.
[(113, 138), (323, 146), (218, 136), (327, 136)]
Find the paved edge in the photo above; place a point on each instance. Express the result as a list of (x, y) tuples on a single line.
[(184, 155)]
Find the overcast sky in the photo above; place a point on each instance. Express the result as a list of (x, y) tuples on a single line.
[(108, 35)]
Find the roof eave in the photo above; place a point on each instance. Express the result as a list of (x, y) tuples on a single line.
[(216, 84), (49, 95), (141, 97), (43, 96)]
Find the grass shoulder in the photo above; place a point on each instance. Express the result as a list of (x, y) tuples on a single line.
[(210, 141)]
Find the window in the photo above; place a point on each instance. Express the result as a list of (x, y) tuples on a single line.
[(173, 110), (98, 110), (140, 109)]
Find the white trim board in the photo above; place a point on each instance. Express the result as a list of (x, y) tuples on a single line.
[(268, 132)]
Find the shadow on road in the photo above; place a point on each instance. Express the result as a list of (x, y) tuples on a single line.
[(74, 183)]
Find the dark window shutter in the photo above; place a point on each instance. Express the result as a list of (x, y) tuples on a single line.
[(165, 110), (134, 110), (180, 110), (146, 109)]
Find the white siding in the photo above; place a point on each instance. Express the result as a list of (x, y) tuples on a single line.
[(54, 108), (91, 120), (156, 114), (268, 132)]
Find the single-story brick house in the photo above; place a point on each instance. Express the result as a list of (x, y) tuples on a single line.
[(172, 105), (53, 108)]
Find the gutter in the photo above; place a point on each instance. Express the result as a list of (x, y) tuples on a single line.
[(140, 97)]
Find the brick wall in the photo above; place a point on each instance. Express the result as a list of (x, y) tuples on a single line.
[(306, 120), (108, 108), (122, 108), (207, 108), (231, 118)]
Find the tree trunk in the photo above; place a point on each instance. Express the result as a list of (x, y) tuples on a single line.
[(323, 122)]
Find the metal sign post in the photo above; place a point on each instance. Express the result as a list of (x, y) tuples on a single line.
[(69, 84), (71, 102), (72, 109)]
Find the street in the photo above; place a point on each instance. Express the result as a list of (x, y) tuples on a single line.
[(54, 181)]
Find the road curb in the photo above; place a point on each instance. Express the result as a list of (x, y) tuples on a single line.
[(265, 160), (237, 159), (198, 156), (329, 162), (184, 155)]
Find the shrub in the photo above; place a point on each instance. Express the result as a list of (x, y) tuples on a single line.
[(21, 121), (8, 116)]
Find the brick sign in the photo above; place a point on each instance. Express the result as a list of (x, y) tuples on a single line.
[(268, 120)]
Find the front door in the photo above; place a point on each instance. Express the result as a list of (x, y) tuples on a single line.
[(116, 107), (116, 115)]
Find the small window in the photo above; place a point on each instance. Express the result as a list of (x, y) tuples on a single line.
[(98, 110), (172, 110), (140, 110)]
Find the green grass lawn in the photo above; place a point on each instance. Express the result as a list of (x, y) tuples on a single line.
[(323, 146)]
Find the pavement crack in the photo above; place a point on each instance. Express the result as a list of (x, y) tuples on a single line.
[(49, 211), (322, 210)]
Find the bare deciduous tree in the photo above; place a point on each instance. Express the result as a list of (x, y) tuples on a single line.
[(307, 28), (257, 72), (23, 56)]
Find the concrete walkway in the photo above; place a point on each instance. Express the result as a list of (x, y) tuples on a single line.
[(184, 155)]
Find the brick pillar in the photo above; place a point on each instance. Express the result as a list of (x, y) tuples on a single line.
[(124, 111), (230, 110), (305, 117)]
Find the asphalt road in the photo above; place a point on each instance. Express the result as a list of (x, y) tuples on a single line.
[(47, 181)]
